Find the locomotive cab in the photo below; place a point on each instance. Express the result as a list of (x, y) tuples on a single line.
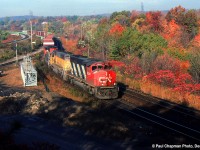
[(101, 76)]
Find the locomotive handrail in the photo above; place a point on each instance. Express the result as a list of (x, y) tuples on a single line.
[(79, 79)]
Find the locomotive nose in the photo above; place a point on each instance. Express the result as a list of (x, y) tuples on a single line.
[(105, 78)]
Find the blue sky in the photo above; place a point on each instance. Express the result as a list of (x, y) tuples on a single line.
[(86, 7)]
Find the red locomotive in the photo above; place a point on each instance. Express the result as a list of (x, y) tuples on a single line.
[(95, 76)]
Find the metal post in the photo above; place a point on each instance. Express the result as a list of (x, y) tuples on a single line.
[(16, 53), (31, 35)]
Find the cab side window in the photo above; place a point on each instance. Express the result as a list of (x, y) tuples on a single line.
[(94, 68)]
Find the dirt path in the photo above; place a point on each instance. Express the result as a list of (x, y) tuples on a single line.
[(12, 79)]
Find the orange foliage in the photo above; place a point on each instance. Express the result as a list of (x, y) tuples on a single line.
[(171, 30), (69, 45), (116, 29), (172, 33), (196, 41), (184, 65)]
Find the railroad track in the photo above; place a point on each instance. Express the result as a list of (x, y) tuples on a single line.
[(158, 120), (24, 37), (177, 118), (149, 100)]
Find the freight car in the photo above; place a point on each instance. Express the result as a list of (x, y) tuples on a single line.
[(94, 76), (49, 48)]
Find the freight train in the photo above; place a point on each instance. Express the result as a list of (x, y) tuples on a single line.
[(93, 75)]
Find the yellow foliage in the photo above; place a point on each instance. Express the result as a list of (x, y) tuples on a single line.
[(137, 22)]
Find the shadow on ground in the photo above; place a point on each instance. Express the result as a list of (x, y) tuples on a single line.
[(66, 124)]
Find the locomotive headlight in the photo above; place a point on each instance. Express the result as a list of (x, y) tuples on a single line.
[(115, 83)]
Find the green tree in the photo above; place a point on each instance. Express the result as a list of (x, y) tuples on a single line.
[(102, 41), (135, 43), (122, 17), (190, 23)]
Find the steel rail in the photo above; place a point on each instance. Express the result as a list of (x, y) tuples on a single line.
[(159, 120), (157, 100)]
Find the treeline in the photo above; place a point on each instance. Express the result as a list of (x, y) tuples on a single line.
[(161, 48)]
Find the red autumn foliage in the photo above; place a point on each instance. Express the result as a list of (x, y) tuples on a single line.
[(183, 79), (182, 83), (165, 62), (103, 21), (115, 63), (196, 41), (164, 77), (64, 19), (133, 69), (11, 38), (154, 20), (116, 29), (177, 14)]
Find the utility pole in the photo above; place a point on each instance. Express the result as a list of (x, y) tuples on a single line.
[(31, 35), (16, 52)]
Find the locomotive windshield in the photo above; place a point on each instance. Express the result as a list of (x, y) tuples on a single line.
[(100, 67)]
